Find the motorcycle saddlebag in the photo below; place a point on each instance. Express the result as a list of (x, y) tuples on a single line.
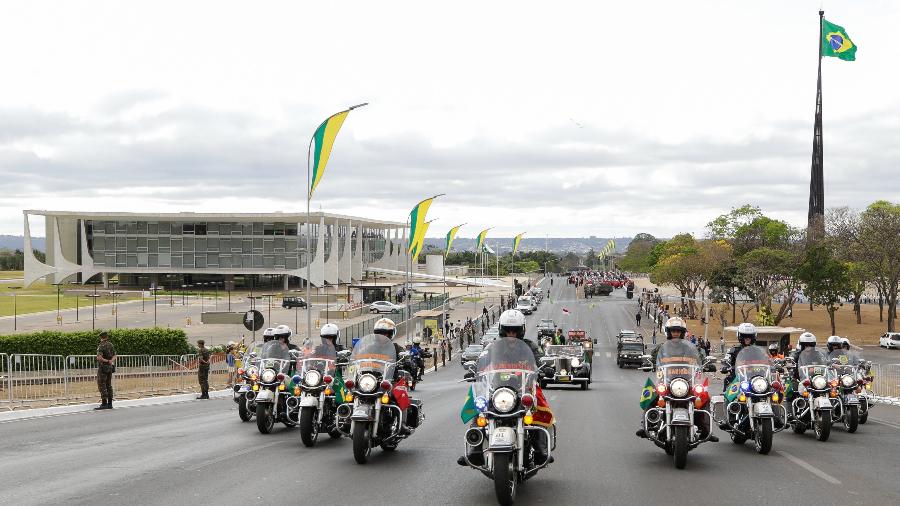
[(412, 413)]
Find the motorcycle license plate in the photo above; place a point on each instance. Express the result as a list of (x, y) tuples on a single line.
[(822, 403), (762, 408), (563, 378), (265, 395), (503, 436), (680, 415), (852, 399)]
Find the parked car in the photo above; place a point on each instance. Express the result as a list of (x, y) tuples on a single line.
[(471, 353), (383, 306), (289, 302), (890, 340)]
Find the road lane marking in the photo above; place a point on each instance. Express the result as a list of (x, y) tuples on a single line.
[(889, 424), (608, 355), (231, 456), (809, 467)]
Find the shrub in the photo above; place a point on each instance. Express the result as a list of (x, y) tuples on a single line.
[(151, 341)]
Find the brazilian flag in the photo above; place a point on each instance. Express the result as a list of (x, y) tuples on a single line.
[(789, 388), (338, 386), (468, 410), (836, 43), (648, 394), (733, 390)]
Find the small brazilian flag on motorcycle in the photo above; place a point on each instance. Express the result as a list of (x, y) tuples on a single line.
[(733, 390), (648, 395), (468, 410), (338, 386)]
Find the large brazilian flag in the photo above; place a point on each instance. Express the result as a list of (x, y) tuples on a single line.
[(836, 42)]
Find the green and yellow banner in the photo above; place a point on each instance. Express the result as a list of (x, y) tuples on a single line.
[(450, 236), (417, 223), (323, 141), (480, 241), (516, 242), (836, 43), (418, 246)]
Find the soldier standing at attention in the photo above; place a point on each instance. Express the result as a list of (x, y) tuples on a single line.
[(106, 366), (203, 369)]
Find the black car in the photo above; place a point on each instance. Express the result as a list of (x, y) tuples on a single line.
[(289, 302), (629, 351), (546, 327)]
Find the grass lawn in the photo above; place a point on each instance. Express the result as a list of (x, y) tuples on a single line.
[(42, 297), (12, 274)]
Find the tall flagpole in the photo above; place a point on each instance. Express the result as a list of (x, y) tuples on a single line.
[(816, 214)]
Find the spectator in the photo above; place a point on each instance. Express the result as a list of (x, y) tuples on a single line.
[(231, 360)]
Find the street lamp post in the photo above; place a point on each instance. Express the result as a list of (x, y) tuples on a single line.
[(183, 295), (58, 318), (115, 296), (216, 284), (15, 307)]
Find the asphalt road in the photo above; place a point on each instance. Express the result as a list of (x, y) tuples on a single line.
[(199, 451)]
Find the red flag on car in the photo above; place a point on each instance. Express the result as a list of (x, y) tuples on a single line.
[(401, 395)]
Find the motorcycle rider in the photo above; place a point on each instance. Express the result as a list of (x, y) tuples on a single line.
[(834, 343), (386, 327), (746, 334), (845, 343), (331, 332), (773, 352), (415, 353), (806, 340), (512, 327), (268, 334), (284, 333), (675, 328)]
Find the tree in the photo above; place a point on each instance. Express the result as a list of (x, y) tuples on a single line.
[(765, 272), (690, 265), (879, 240), (825, 278), (638, 254)]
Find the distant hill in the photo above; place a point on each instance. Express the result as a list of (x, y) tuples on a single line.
[(15, 242), (579, 245)]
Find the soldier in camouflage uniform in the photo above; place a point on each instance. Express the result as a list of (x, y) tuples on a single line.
[(106, 365), (203, 369)]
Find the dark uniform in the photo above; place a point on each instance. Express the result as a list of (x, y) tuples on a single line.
[(105, 372), (203, 372)]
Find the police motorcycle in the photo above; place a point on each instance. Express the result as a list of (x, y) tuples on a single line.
[(375, 404), (268, 393), (679, 422), (249, 373), (502, 442), (313, 405), (849, 379), (753, 410), (812, 407)]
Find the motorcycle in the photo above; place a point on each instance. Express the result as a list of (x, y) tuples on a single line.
[(812, 407), (752, 407), (268, 393), (679, 423), (313, 405), (375, 404), (849, 379), (504, 443), (249, 373)]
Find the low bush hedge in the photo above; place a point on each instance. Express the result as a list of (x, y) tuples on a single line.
[(152, 341)]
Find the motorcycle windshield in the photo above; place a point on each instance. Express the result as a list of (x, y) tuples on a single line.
[(252, 353), (507, 362), (275, 355), (374, 353), (564, 350), (319, 357), (752, 361), (812, 362), (678, 358)]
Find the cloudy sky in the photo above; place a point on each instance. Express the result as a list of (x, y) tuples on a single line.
[(560, 118)]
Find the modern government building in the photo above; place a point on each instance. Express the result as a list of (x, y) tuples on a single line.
[(168, 249)]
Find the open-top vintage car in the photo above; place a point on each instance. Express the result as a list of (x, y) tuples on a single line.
[(565, 364), (581, 338)]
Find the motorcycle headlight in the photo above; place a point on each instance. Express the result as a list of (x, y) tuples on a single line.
[(847, 381), (367, 383), (252, 370), (312, 378), (504, 400), (268, 376), (679, 387), (819, 383), (759, 385), (576, 362)]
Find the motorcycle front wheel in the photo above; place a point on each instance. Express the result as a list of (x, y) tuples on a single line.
[(265, 421), (309, 430), (851, 420), (680, 446), (763, 436), (504, 478), (243, 412), (361, 444), (863, 418), (822, 425)]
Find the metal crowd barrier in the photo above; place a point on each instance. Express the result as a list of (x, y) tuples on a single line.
[(886, 385), (5, 385), (37, 378), (166, 374)]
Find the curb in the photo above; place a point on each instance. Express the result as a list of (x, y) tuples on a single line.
[(26, 414)]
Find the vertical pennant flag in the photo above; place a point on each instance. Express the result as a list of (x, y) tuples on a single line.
[(418, 247), (450, 236), (480, 241), (469, 411), (323, 140), (417, 223), (516, 242), (836, 43)]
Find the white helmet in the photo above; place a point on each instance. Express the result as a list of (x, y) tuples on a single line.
[(834, 342), (330, 330), (806, 338), (845, 343), (283, 331), (512, 320), (385, 327), (269, 334), (746, 330), (674, 323)]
